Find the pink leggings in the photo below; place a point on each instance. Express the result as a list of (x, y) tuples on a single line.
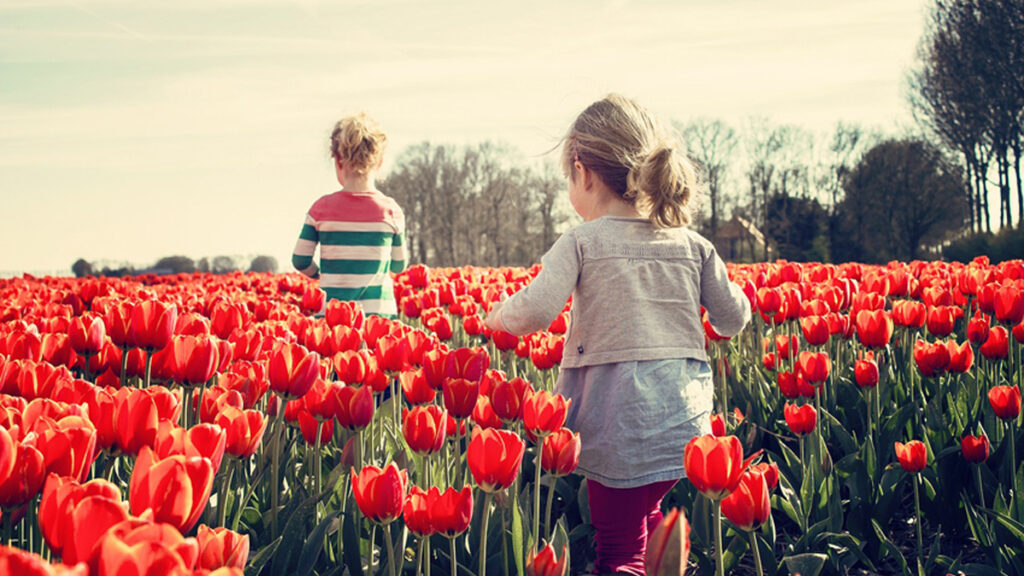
[(623, 517)]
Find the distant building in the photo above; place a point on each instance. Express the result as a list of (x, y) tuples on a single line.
[(738, 240)]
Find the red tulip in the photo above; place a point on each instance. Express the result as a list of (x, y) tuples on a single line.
[(668, 547), (997, 345), (88, 334), (313, 300), (714, 465), (380, 494), (18, 562), (865, 371), (415, 387), (353, 407), (874, 328), (504, 341), (815, 330), (460, 396), (546, 563), (801, 419), (494, 457), (200, 441), (543, 412), (1005, 401), (8, 454), (244, 429), (961, 357), (68, 446), (909, 313), (507, 398), (292, 370), (349, 366), (221, 547), (467, 363), (26, 477), (484, 415), (74, 516), (1009, 304), (717, 424), (770, 471), (424, 429), (913, 456), (560, 453), (788, 385), (227, 317), (115, 557), (341, 313), (416, 512), (941, 320), (977, 328), (196, 359), (139, 414), (932, 359), (974, 448), (175, 488), (814, 366), (152, 324), (749, 505), (451, 510)]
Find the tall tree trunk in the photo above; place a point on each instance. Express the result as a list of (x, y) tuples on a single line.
[(970, 194), (1020, 192)]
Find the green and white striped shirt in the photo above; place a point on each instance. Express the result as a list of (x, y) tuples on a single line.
[(361, 237)]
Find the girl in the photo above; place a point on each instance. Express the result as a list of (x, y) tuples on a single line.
[(360, 230), (634, 364)]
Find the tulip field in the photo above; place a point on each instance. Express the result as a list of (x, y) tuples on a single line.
[(867, 422)]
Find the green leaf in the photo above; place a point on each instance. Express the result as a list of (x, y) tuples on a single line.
[(292, 534), (315, 543), (805, 564), (260, 559), (350, 542), (1016, 529), (890, 548), (518, 543), (560, 542)]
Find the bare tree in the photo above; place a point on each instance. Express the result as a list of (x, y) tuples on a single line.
[(712, 144)]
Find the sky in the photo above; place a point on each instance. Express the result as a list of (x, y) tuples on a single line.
[(135, 130)]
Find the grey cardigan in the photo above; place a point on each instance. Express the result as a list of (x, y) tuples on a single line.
[(636, 293)]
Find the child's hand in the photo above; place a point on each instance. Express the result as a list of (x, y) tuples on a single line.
[(493, 321)]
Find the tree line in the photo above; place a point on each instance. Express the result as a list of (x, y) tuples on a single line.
[(177, 265)]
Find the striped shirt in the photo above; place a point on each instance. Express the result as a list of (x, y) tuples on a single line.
[(361, 238)]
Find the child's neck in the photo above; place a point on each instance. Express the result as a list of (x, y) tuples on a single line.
[(359, 184)]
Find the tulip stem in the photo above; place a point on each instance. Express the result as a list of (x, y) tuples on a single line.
[(149, 368), (124, 364), (757, 552), (458, 454), (222, 498), (1011, 436), (275, 467), (483, 535), (369, 549), (719, 560), (536, 490), (451, 555), (917, 512), (391, 550), (547, 512), (419, 555), (981, 491)]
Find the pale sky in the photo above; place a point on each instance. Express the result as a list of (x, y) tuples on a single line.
[(135, 130)]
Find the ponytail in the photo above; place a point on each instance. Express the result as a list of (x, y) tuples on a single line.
[(662, 185)]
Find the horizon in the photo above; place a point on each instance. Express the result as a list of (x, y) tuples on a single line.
[(138, 132)]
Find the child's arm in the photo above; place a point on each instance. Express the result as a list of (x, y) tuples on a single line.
[(539, 303), (398, 252), (302, 256), (727, 306)]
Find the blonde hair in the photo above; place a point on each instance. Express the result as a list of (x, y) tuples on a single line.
[(359, 141), (627, 148)]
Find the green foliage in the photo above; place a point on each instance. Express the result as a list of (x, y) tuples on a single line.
[(1007, 244)]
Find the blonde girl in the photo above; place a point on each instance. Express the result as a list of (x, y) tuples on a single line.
[(634, 364)]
